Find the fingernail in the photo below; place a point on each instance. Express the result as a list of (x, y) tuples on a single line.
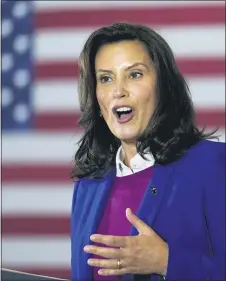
[(128, 210), (93, 237), (100, 272), (87, 248)]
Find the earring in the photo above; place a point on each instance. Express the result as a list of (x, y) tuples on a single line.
[(101, 114)]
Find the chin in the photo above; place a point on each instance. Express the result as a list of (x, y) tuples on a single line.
[(127, 137), (126, 133)]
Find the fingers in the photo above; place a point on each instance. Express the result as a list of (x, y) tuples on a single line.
[(141, 226), (108, 272), (110, 264), (103, 251), (110, 240), (108, 267)]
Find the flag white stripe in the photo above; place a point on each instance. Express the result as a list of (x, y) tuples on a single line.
[(206, 93), (32, 251), (38, 199), (39, 148), (48, 96), (184, 41), (62, 5)]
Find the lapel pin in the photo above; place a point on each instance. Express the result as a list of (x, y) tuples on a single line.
[(154, 190)]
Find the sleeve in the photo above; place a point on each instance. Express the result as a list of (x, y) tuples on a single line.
[(190, 264), (73, 263)]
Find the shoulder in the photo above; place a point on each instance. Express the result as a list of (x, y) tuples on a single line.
[(109, 174), (206, 151), (82, 184), (201, 169), (84, 191), (201, 160), (208, 146)]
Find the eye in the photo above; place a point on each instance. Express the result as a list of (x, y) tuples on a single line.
[(105, 79), (136, 74)]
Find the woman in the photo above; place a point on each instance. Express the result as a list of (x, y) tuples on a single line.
[(150, 187)]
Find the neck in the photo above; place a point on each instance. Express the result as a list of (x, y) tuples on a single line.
[(130, 151)]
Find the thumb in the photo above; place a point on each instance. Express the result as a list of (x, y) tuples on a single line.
[(141, 226)]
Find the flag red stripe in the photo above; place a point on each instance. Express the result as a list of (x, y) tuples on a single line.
[(56, 70), (211, 118), (36, 173), (35, 225), (171, 16), (59, 272), (57, 121), (198, 67), (67, 121)]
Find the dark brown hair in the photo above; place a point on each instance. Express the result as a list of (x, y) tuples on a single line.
[(171, 130)]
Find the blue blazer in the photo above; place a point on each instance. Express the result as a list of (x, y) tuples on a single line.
[(188, 212)]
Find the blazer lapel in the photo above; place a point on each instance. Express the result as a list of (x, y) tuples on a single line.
[(150, 205), (154, 195), (99, 191), (100, 200)]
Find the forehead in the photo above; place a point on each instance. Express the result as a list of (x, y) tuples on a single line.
[(123, 51)]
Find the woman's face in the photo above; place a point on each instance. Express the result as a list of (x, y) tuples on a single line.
[(126, 83)]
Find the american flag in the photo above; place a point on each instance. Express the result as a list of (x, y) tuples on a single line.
[(41, 42)]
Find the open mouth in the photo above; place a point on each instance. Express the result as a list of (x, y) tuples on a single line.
[(124, 114)]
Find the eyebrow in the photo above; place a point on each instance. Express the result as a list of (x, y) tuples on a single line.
[(128, 68)]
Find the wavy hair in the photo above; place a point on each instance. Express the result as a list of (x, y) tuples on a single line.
[(171, 130)]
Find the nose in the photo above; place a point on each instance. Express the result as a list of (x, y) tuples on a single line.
[(120, 90)]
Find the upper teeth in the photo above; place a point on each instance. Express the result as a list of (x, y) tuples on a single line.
[(120, 109)]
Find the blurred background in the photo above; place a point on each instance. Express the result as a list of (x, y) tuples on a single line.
[(41, 42)]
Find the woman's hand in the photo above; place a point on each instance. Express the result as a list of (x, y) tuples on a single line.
[(145, 253)]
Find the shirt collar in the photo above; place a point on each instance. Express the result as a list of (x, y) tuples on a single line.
[(137, 163)]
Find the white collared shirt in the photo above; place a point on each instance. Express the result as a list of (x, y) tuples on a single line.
[(137, 163)]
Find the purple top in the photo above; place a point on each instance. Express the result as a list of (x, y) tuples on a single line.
[(126, 192)]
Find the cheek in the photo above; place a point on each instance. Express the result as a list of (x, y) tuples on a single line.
[(150, 101), (104, 97), (100, 98), (146, 97)]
